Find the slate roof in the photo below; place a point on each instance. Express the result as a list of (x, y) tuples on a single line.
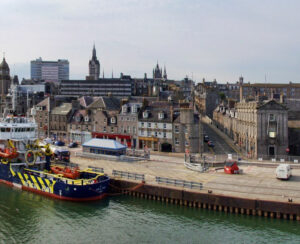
[(107, 103), (63, 109), (104, 143), (85, 101)]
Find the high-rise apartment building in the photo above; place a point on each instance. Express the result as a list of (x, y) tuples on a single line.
[(50, 70)]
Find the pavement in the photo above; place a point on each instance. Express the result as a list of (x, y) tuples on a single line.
[(255, 182)]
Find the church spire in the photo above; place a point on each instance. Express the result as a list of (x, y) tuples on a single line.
[(94, 52)]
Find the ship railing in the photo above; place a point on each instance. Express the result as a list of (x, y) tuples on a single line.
[(182, 183), (96, 169), (128, 175)]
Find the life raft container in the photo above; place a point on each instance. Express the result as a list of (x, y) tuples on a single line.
[(66, 172)]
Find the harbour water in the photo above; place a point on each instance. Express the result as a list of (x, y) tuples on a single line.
[(29, 218)]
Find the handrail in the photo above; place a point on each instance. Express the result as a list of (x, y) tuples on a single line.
[(128, 175), (183, 183)]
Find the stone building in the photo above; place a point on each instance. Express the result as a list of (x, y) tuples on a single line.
[(42, 114), (187, 132), (128, 123), (59, 120), (259, 128), (155, 129), (5, 82), (94, 66)]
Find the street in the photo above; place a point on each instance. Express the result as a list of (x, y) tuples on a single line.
[(221, 147)]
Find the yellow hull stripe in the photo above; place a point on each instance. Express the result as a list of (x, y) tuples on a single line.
[(42, 183), (35, 182), (21, 178), (28, 181)]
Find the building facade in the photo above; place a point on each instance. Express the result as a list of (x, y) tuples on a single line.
[(49, 71), (94, 66), (259, 128)]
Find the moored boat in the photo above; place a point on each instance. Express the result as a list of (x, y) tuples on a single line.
[(27, 165)]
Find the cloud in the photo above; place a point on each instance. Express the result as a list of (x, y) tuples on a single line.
[(212, 39)]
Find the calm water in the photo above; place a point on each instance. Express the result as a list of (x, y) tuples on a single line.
[(29, 218)]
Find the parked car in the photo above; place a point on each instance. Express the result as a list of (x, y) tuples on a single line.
[(73, 145), (231, 167), (59, 143), (210, 144), (283, 171), (206, 138), (62, 154)]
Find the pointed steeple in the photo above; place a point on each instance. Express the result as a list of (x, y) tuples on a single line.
[(94, 52), (165, 72)]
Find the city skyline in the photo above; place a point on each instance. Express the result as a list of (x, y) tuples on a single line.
[(212, 40)]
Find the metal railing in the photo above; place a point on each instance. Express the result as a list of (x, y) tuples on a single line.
[(138, 153), (279, 158), (128, 175), (183, 183), (96, 169)]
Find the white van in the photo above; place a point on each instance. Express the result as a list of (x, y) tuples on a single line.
[(283, 171)]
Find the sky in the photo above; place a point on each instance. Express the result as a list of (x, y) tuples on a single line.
[(215, 39)]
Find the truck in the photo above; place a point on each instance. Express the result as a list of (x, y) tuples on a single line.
[(283, 172)]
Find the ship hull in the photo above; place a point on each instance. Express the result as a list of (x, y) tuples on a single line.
[(50, 186)]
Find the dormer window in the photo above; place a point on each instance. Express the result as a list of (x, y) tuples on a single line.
[(161, 115), (86, 119), (124, 109), (145, 114), (134, 109), (113, 120)]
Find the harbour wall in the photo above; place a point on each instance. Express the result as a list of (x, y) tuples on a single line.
[(209, 200)]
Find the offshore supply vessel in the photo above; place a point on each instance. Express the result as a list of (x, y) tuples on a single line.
[(27, 164)]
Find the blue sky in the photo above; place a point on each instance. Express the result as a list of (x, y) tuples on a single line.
[(205, 39)]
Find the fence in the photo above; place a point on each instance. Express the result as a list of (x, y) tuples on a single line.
[(279, 158), (96, 169), (128, 175), (183, 183), (138, 153)]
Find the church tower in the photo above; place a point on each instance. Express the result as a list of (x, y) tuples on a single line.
[(165, 73), (94, 66), (157, 72), (4, 84)]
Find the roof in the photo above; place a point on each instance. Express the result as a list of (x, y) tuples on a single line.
[(104, 143), (85, 101), (4, 65), (108, 103), (63, 109)]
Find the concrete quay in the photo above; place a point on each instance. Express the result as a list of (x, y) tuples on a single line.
[(255, 182), (255, 192)]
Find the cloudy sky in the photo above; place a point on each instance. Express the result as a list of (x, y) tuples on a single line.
[(215, 39)]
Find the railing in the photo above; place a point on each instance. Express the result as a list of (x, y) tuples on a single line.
[(183, 183), (96, 169), (128, 175), (279, 158), (138, 153)]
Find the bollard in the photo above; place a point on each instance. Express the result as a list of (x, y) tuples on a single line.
[(225, 209), (266, 214), (220, 208), (242, 211), (272, 215)]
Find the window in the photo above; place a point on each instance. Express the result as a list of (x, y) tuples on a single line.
[(142, 124), (148, 133), (149, 125), (113, 120), (155, 133), (161, 115), (271, 117), (176, 141), (112, 129), (165, 134), (165, 126), (104, 129), (142, 132), (176, 129), (128, 129), (145, 115), (133, 129)]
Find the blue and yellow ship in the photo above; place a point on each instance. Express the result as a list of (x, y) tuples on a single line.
[(28, 166)]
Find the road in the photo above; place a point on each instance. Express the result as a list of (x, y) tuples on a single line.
[(221, 147)]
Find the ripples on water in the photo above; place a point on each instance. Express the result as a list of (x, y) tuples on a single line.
[(29, 218)]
